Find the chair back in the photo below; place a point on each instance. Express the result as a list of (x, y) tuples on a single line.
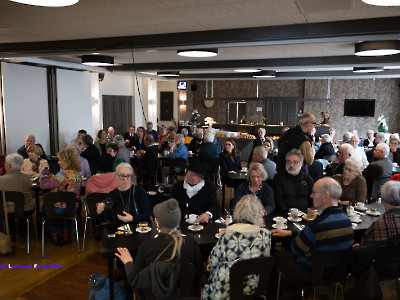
[(330, 267), (376, 186), (261, 266), (91, 201), (177, 166), (387, 262), (185, 279), (19, 200), (324, 162), (50, 199), (213, 167)]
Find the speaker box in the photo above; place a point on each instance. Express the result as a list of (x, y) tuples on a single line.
[(101, 76), (193, 87)]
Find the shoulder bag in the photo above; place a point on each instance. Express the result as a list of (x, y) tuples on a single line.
[(101, 288), (5, 238)]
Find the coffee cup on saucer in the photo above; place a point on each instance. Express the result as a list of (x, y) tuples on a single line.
[(350, 210), (294, 213), (280, 224), (355, 218), (192, 218), (190, 152), (360, 205)]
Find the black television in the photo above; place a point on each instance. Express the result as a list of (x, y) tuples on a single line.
[(359, 107), (181, 85)]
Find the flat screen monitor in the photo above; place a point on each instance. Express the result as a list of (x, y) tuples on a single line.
[(359, 107), (181, 85)]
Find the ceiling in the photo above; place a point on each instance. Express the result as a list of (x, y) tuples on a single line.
[(297, 38)]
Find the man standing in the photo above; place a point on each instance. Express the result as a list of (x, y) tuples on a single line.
[(260, 155), (337, 165), (330, 231), (292, 186), (151, 131), (258, 141), (29, 141), (298, 138)]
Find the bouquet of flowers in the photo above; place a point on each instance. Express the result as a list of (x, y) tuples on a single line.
[(195, 116), (326, 118), (382, 123)]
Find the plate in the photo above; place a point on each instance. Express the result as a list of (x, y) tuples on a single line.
[(298, 219), (305, 218), (152, 193), (374, 214), (196, 227), (217, 235), (143, 229), (360, 209), (276, 219), (274, 226)]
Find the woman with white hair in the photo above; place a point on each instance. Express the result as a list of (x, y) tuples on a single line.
[(326, 148), (244, 239), (209, 150), (197, 141), (354, 186), (123, 152), (369, 141), (394, 154)]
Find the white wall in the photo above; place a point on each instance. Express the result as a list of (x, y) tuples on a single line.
[(25, 105), (167, 86), (74, 105)]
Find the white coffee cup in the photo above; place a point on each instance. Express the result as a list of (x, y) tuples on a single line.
[(221, 231), (350, 211), (190, 152), (294, 213), (360, 205), (192, 218), (355, 218), (280, 224)]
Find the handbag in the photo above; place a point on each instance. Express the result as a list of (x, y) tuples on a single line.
[(101, 288), (5, 238)]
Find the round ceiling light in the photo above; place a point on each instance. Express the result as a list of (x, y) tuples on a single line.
[(47, 3), (382, 2), (97, 60), (377, 48), (198, 52), (168, 73), (247, 70), (265, 74), (367, 69)]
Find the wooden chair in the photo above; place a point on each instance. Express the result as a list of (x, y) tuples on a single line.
[(261, 266), (177, 167), (49, 200), (213, 168), (376, 186)]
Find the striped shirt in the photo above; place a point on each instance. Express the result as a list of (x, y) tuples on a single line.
[(385, 228)]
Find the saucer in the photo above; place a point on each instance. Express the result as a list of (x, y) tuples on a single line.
[(360, 209), (189, 222), (196, 227), (274, 226), (276, 219), (143, 229), (354, 221), (298, 219), (374, 213), (152, 193), (306, 218)]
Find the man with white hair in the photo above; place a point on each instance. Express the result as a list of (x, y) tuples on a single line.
[(209, 150), (326, 149), (260, 155), (178, 148), (380, 168), (358, 152), (346, 137), (337, 165), (394, 154), (379, 138)]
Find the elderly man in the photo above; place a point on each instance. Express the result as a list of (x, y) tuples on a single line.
[(196, 195), (209, 150), (197, 141), (298, 138), (381, 168), (394, 154), (30, 140), (330, 231), (178, 148), (358, 152), (326, 150), (110, 133), (260, 155), (151, 131), (379, 138), (346, 137), (258, 141), (130, 135), (292, 186), (337, 165), (168, 139), (14, 180), (77, 142)]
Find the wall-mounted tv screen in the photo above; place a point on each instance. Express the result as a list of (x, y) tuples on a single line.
[(181, 85), (359, 107)]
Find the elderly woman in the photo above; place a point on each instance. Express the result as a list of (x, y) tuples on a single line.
[(326, 148), (257, 186), (168, 245), (229, 159), (113, 149), (394, 154), (268, 144), (246, 234), (85, 172), (197, 141), (353, 184), (67, 180), (130, 203), (123, 152), (34, 165), (137, 143), (102, 141), (209, 150)]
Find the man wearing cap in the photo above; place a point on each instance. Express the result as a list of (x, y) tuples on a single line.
[(196, 195)]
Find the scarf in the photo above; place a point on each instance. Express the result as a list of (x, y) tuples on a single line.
[(193, 190)]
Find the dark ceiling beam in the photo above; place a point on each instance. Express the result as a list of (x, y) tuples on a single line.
[(262, 63), (351, 30)]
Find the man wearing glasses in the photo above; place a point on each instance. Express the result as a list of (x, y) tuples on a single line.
[(298, 138)]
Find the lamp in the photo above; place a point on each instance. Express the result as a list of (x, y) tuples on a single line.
[(367, 69), (198, 52), (377, 48), (168, 73), (97, 60), (48, 3), (265, 74), (247, 70), (382, 2)]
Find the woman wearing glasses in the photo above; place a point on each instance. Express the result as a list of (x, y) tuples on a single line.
[(129, 203)]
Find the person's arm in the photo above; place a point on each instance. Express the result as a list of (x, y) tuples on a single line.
[(279, 194), (361, 189), (48, 181), (303, 243), (308, 152), (268, 199), (373, 171), (212, 203), (223, 163), (239, 193), (144, 205), (238, 163)]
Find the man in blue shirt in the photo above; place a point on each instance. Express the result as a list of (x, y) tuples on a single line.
[(178, 148), (151, 131)]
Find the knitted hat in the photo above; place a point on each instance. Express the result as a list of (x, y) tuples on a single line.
[(198, 167), (168, 213)]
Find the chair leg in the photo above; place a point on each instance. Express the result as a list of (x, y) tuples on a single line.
[(43, 239), (27, 236), (315, 292), (84, 235), (77, 237), (279, 285)]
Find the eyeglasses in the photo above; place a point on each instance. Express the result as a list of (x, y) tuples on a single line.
[(124, 176), (289, 162), (228, 145), (314, 123), (110, 151)]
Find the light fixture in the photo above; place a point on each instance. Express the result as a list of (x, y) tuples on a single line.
[(382, 2), (168, 73), (265, 74), (48, 3), (247, 70), (367, 69), (97, 60), (377, 48), (198, 52)]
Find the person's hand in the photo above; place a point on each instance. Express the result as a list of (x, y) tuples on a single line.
[(204, 218), (124, 255), (345, 202), (100, 207), (126, 217), (171, 146), (140, 152), (281, 233), (336, 160)]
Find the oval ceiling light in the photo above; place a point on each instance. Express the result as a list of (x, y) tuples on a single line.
[(367, 69), (377, 48), (247, 70), (382, 2), (198, 52), (265, 74), (47, 3), (97, 60), (168, 73)]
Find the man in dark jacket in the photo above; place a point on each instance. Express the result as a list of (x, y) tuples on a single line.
[(29, 141), (91, 153)]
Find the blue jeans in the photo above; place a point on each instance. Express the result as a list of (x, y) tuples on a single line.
[(67, 223)]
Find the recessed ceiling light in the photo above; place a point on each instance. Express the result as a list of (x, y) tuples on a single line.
[(48, 3), (377, 48), (198, 52), (247, 70), (382, 2), (265, 74), (367, 69), (97, 60), (168, 73)]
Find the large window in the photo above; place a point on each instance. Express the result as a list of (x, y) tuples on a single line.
[(117, 112), (237, 112)]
